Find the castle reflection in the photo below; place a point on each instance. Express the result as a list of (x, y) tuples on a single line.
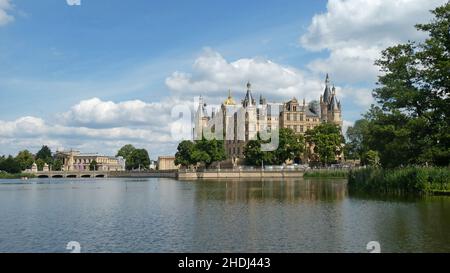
[(284, 191)]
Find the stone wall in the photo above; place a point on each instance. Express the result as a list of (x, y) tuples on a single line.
[(257, 174)]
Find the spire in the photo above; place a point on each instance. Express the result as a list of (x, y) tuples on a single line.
[(333, 104), (248, 100), (229, 100), (326, 93), (262, 100)]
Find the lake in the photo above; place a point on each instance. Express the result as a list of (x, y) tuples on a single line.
[(165, 215)]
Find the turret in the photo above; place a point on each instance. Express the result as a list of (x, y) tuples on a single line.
[(248, 100)]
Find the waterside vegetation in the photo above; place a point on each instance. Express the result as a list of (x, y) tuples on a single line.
[(420, 180)]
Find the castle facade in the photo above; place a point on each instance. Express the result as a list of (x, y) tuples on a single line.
[(238, 123)]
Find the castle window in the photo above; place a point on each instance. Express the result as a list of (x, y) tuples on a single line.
[(301, 128), (301, 117)]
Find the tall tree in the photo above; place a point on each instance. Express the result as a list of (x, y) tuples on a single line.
[(183, 156), (45, 154), (25, 159), (93, 166), (139, 158), (411, 126), (213, 148), (355, 147), (327, 140), (126, 152), (57, 165), (10, 165), (290, 147)]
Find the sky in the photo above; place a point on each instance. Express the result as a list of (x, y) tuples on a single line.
[(105, 73)]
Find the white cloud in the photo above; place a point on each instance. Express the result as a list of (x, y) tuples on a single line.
[(355, 31), (213, 75), (98, 126), (359, 96), (345, 125), (5, 7), (97, 113)]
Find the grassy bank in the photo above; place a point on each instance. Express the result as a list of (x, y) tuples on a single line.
[(403, 180), (4, 175), (326, 174)]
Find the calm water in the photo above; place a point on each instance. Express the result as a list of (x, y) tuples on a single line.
[(164, 215)]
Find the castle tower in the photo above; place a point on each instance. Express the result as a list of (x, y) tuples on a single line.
[(330, 107), (325, 100), (201, 120)]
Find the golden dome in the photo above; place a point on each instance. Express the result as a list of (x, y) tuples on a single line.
[(229, 100)]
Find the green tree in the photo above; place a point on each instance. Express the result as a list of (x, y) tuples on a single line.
[(57, 165), (139, 158), (40, 164), (411, 124), (372, 158), (327, 140), (199, 156), (25, 159), (93, 166), (184, 156), (45, 154), (10, 165), (290, 147), (213, 148), (126, 152), (355, 147), (201, 151)]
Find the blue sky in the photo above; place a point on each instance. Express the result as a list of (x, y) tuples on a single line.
[(103, 40), (64, 69)]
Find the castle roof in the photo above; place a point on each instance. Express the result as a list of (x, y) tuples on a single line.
[(248, 100), (327, 92), (229, 100)]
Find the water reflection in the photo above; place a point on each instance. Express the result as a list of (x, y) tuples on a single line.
[(283, 191), (165, 215)]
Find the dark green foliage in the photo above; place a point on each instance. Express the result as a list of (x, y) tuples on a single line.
[(139, 158), (401, 180), (4, 175), (134, 158), (411, 124), (290, 147), (45, 154), (57, 165), (25, 159), (10, 165), (328, 141), (202, 151), (326, 174), (40, 164), (184, 155), (93, 166)]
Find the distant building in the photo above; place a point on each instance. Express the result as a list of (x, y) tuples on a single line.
[(166, 163), (153, 165), (76, 161)]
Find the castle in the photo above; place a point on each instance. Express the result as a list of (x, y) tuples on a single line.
[(237, 123)]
